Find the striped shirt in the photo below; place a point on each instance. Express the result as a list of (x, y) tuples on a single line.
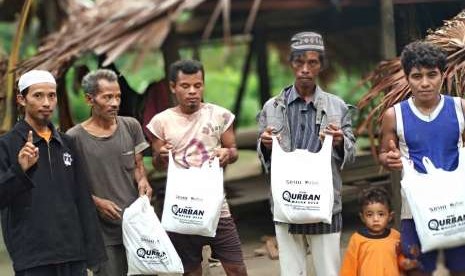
[(305, 135)]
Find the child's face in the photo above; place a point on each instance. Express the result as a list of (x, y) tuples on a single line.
[(376, 217)]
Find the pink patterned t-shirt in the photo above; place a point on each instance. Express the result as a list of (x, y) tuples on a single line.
[(194, 136)]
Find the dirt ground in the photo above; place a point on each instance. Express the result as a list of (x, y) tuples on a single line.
[(254, 221)]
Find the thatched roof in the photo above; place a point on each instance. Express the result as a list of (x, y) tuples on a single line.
[(112, 27), (108, 27), (389, 86)]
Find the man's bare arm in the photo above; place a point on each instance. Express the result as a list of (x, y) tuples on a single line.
[(160, 150), (143, 184), (228, 151), (389, 154)]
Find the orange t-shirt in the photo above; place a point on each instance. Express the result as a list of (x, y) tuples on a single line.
[(369, 255), (45, 134)]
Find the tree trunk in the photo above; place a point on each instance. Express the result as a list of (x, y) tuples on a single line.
[(170, 49), (64, 111)]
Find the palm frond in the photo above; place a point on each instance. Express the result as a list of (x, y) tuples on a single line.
[(109, 27)]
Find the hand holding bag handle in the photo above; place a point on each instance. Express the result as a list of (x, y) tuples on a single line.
[(275, 144), (407, 166), (145, 204), (325, 148)]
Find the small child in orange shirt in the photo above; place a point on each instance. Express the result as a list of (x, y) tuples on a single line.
[(373, 250)]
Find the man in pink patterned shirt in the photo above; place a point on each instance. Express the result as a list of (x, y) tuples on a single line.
[(195, 132)]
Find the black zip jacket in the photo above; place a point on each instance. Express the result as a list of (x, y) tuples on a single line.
[(48, 216)]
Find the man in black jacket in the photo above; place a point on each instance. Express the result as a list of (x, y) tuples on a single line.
[(49, 221)]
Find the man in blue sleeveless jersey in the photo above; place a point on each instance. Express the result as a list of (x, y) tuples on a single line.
[(427, 124)]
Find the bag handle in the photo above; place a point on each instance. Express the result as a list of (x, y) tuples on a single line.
[(145, 203), (429, 166), (170, 157), (275, 144), (461, 157), (407, 166), (327, 144)]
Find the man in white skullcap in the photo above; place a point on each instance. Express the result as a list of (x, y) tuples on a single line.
[(48, 219), (299, 116)]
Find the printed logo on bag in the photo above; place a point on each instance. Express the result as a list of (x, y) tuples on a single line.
[(196, 198), (149, 240), (181, 197), (187, 212), (301, 197), (152, 255), (456, 204), (305, 182), (438, 208), (447, 223), (445, 207)]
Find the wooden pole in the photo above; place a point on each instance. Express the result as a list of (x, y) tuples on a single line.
[(170, 50), (388, 48), (244, 78), (262, 66), (388, 41), (64, 111)]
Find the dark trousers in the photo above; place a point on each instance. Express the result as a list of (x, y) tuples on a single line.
[(65, 269)]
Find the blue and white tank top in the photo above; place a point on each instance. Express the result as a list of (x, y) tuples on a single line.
[(437, 136)]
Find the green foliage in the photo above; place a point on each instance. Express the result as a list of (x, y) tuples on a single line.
[(6, 36), (139, 76), (221, 88), (223, 72), (347, 86), (80, 110), (280, 74)]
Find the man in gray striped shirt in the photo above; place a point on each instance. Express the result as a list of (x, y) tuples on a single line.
[(299, 115)]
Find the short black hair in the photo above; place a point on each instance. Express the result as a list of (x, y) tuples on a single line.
[(321, 56), (422, 54), (186, 66), (374, 195)]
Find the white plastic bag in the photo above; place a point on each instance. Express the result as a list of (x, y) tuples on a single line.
[(302, 184), (148, 247), (437, 202), (193, 199)]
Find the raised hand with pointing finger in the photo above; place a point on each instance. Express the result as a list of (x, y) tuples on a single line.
[(29, 154)]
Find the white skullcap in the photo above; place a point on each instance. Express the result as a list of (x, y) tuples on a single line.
[(33, 77)]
